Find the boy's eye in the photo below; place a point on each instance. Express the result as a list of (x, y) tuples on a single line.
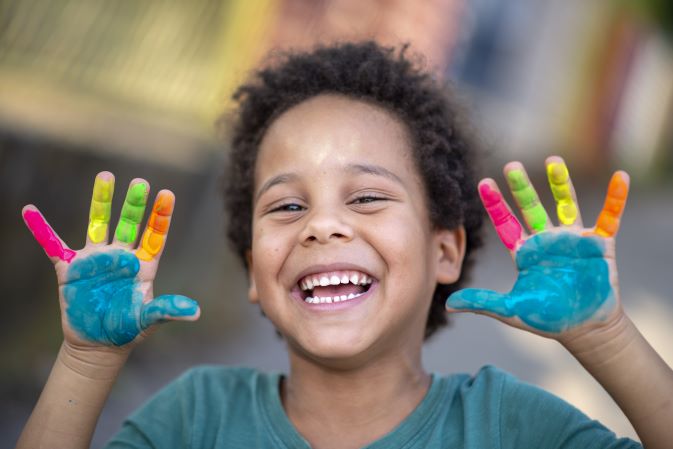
[(289, 207), (364, 199)]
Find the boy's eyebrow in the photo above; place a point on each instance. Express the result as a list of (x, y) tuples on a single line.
[(278, 179), (368, 169)]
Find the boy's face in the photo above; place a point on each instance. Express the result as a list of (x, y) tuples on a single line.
[(337, 196)]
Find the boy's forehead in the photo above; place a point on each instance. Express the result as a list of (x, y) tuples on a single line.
[(332, 129)]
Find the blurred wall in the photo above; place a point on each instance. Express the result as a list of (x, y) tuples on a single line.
[(135, 87)]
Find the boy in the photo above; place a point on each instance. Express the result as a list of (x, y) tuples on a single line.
[(354, 207)]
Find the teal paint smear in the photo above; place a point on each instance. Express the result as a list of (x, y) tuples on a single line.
[(104, 303), (563, 281)]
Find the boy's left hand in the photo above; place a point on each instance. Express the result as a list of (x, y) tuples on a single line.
[(567, 275)]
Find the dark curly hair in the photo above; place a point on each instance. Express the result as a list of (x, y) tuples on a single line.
[(444, 151)]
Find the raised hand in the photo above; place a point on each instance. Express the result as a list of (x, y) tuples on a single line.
[(105, 290), (567, 276)]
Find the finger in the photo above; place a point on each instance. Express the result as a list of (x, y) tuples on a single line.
[(154, 237), (169, 307), (608, 221), (506, 225), (52, 244), (478, 300), (563, 191), (101, 205), (132, 213), (526, 197)]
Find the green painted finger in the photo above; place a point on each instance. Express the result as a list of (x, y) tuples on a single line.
[(559, 181), (527, 200), (132, 213), (101, 205)]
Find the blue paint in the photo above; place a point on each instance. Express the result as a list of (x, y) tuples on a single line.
[(563, 281), (104, 303)]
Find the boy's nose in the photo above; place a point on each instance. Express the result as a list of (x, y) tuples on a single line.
[(325, 226)]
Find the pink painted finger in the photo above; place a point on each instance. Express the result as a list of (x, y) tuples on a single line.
[(55, 248), (506, 225)]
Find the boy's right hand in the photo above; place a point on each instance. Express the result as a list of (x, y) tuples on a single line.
[(105, 290)]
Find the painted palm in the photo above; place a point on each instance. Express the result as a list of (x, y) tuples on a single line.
[(566, 274), (106, 289)]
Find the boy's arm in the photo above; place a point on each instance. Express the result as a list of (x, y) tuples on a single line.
[(567, 289), (66, 413), (107, 307), (634, 375)]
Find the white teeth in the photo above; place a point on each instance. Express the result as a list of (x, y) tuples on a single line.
[(330, 299), (355, 278)]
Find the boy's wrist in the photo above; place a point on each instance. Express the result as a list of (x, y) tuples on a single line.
[(100, 364), (602, 345)]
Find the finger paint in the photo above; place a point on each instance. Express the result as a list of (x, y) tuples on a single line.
[(506, 225), (132, 213), (559, 181), (104, 301), (563, 282), (157, 227), (527, 200), (46, 237), (101, 205), (607, 224)]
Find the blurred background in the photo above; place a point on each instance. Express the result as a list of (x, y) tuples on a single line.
[(135, 88)]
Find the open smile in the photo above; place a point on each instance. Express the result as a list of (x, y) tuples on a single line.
[(326, 289)]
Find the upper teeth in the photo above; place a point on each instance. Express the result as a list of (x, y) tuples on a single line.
[(336, 278)]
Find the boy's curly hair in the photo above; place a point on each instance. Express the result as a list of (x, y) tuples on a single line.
[(444, 151)]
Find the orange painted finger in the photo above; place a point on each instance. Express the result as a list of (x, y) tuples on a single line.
[(154, 237), (607, 224)]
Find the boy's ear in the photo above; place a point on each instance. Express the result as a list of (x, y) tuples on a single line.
[(450, 246), (253, 297)]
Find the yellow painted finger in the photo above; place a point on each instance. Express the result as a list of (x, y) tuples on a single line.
[(101, 205), (561, 188), (608, 221), (154, 237)]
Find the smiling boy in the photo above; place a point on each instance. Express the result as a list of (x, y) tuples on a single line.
[(353, 205)]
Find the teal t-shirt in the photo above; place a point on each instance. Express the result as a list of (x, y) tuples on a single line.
[(228, 407)]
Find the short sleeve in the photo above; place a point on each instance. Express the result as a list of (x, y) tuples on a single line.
[(162, 422), (533, 417)]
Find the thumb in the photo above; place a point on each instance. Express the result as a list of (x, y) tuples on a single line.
[(169, 307), (479, 300)]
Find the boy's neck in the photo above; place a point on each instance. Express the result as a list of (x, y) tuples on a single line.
[(336, 407)]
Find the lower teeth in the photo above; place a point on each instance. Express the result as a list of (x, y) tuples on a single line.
[(330, 299)]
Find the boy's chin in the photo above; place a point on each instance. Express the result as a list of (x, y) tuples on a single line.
[(336, 352)]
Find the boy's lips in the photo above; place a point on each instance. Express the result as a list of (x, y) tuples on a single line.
[(333, 286)]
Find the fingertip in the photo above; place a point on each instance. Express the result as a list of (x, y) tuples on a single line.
[(28, 208), (105, 176), (554, 159), (513, 165), (624, 176)]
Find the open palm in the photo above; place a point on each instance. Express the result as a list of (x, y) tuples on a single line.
[(567, 275), (105, 290)]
